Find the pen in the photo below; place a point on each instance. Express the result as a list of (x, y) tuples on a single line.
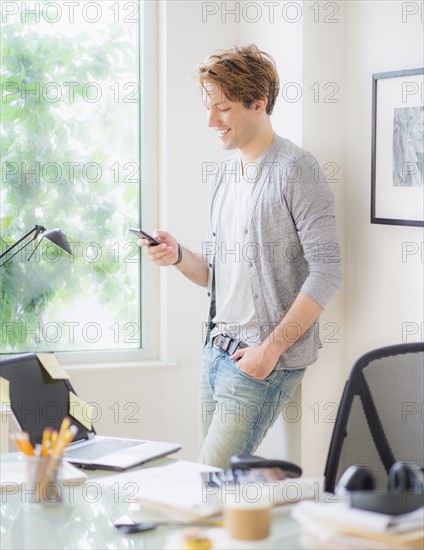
[(149, 526), (198, 523)]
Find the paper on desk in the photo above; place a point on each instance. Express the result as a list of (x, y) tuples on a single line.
[(12, 471), (174, 489), (164, 475), (185, 501), (314, 536), (340, 513)]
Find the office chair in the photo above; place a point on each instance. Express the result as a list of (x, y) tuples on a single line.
[(380, 420)]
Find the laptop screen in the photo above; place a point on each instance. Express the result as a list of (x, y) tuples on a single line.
[(37, 400)]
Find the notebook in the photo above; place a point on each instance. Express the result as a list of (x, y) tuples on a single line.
[(39, 400)]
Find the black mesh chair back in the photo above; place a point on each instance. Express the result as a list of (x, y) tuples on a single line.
[(381, 415)]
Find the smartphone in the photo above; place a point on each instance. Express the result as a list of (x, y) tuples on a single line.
[(142, 234)]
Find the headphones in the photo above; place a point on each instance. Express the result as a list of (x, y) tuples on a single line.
[(404, 492)]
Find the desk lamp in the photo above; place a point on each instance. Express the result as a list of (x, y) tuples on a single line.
[(56, 236)]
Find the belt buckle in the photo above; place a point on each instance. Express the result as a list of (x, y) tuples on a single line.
[(226, 342), (218, 341), (223, 342), (233, 346)]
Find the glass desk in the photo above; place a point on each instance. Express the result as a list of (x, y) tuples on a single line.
[(84, 519)]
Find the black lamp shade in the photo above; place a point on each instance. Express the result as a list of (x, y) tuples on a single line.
[(58, 237)]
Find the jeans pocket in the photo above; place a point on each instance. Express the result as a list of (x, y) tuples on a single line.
[(291, 380), (265, 382)]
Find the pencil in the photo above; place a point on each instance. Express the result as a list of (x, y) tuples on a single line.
[(25, 444), (46, 442), (64, 441), (17, 441), (64, 438), (64, 427)]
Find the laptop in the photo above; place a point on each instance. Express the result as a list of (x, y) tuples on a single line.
[(39, 401)]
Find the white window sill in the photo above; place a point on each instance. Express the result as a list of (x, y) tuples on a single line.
[(118, 366)]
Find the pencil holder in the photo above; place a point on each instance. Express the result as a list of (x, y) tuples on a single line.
[(42, 486)]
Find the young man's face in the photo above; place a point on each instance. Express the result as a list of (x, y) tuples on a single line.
[(236, 125)]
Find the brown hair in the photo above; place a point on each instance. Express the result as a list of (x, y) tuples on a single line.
[(243, 74)]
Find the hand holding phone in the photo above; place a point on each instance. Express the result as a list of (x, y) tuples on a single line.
[(143, 235)]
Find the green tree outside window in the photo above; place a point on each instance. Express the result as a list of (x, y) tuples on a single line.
[(70, 142)]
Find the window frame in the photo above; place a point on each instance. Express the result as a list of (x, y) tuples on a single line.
[(148, 352)]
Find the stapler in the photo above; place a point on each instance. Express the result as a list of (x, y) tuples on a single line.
[(246, 461)]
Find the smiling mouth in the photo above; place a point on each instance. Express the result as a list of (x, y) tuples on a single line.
[(222, 133)]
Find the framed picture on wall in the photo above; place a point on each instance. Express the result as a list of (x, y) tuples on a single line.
[(397, 161)]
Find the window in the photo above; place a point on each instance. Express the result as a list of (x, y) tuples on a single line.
[(71, 157)]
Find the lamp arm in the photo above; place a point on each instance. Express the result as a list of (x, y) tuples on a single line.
[(35, 247), (37, 229)]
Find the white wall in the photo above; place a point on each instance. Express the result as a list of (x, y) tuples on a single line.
[(383, 292), (323, 133), (380, 291)]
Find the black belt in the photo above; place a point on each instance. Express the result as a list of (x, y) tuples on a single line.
[(228, 344)]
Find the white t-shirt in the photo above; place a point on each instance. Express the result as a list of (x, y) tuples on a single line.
[(235, 310)]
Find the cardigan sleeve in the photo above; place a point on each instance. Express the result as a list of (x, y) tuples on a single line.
[(311, 203)]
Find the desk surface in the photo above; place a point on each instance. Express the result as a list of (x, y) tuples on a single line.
[(84, 520)]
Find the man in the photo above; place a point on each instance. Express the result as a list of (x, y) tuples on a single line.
[(271, 261)]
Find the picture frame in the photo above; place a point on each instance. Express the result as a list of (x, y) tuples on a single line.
[(397, 156)]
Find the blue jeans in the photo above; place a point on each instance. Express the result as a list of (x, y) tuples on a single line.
[(236, 409)]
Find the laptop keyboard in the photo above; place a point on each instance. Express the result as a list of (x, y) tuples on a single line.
[(102, 447)]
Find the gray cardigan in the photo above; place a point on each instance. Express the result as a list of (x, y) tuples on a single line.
[(290, 241)]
